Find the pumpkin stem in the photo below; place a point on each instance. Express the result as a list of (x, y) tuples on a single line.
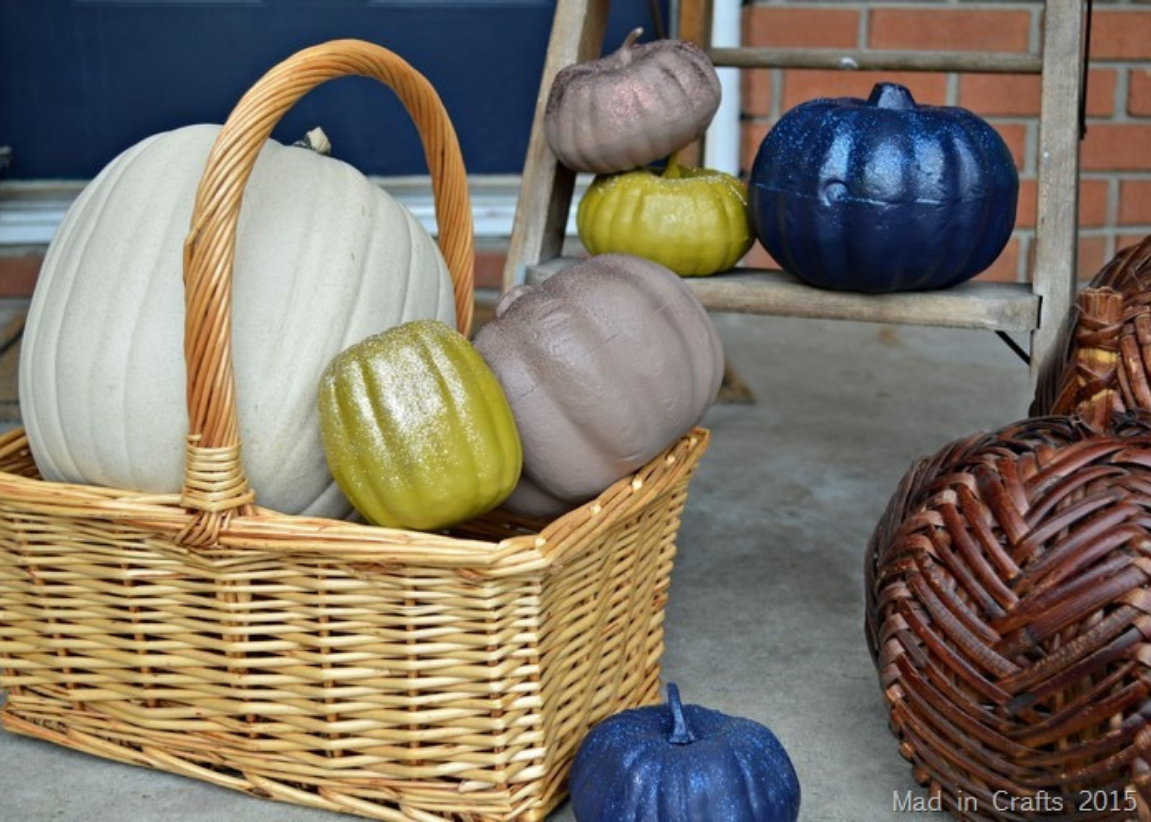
[(510, 296), (315, 140), (623, 55), (672, 170), (680, 733), (893, 96)]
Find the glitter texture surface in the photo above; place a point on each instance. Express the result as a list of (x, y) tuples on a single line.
[(883, 194), (693, 220), (416, 429), (637, 766)]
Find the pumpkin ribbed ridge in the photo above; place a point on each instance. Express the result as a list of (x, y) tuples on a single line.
[(276, 361), (606, 450), (78, 346), (372, 442), (108, 314), (45, 408)]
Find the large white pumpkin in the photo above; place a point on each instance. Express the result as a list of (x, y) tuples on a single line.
[(324, 258)]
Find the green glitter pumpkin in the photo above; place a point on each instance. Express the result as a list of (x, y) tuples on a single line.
[(692, 220), (417, 431)]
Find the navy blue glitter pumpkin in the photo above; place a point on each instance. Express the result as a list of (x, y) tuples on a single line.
[(682, 763), (883, 194)]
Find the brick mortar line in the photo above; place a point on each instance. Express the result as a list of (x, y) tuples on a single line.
[(776, 93), (951, 94), (1120, 101), (1035, 30), (1111, 214)]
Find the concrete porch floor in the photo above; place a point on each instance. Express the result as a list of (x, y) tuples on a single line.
[(766, 612)]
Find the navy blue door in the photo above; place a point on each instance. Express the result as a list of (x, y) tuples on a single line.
[(81, 80)]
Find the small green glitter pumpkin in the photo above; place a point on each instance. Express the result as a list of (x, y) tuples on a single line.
[(416, 429), (693, 220)]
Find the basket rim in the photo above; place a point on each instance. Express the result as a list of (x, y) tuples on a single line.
[(264, 531)]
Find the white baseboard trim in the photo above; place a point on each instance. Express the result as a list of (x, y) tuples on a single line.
[(30, 211)]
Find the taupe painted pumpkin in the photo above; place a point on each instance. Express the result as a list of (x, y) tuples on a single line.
[(605, 364), (630, 108)]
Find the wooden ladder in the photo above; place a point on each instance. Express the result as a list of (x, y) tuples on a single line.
[(1037, 308)]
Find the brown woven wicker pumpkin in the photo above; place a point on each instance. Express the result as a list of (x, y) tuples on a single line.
[(1106, 344), (1009, 616)]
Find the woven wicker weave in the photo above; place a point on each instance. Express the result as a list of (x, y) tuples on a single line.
[(1104, 363), (1009, 616), (397, 675)]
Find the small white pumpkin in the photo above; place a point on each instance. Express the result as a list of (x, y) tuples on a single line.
[(324, 258)]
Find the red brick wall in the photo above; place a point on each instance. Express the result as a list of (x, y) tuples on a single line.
[(1115, 191)]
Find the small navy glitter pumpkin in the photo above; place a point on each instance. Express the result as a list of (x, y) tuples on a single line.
[(883, 194), (682, 763)]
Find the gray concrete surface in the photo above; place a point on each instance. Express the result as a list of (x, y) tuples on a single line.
[(766, 611)]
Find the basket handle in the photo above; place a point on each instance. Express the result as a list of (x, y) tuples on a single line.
[(215, 485)]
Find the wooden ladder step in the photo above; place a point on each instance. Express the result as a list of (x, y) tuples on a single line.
[(959, 61), (989, 306)]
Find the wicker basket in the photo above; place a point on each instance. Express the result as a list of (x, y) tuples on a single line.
[(1009, 616), (390, 674), (1103, 364)]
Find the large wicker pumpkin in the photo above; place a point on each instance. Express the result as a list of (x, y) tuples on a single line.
[(1104, 363), (1008, 592), (324, 258)]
